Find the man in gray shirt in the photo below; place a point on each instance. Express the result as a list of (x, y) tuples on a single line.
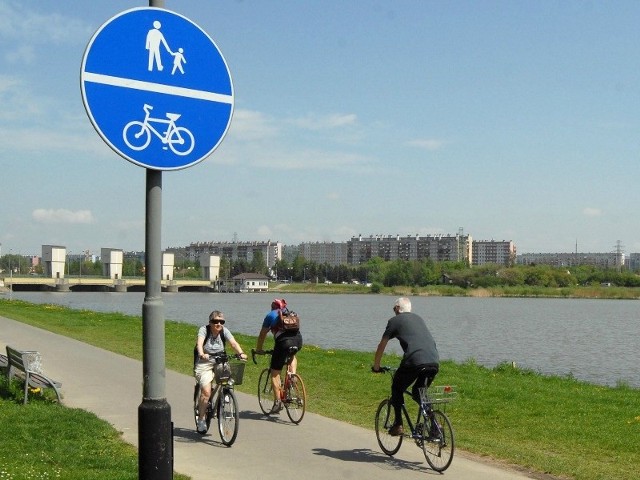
[(420, 362)]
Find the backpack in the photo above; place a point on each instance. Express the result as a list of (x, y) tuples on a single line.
[(206, 339), (289, 321)]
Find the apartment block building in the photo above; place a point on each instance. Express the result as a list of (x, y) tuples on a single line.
[(330, 253), (600, 260), (271, 251), (633, 262), (438, 248), (491, 251)]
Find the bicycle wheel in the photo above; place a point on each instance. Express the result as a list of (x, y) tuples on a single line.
[(295, 398), (136, 135), (181, 141), (265, 392), (438, 446), (384, 419), (228, 419)]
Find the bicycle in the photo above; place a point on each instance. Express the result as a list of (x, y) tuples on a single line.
[(137, 134), (222, 402), (431, 431), (293, 394)]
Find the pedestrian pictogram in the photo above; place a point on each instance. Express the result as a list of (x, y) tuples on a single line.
[(156, 88)]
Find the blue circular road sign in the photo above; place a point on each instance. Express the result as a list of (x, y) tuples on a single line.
[(156, 88)]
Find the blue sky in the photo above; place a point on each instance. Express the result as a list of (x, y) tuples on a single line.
[(514, 120)]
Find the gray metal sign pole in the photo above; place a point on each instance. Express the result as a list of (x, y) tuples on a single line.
[(155, 443)]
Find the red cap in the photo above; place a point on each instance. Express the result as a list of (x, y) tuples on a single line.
[(278, 304)]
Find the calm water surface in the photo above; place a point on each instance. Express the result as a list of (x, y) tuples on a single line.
[(593, 340)]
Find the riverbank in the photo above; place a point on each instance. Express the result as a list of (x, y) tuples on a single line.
[(593, 292), (548, 424)]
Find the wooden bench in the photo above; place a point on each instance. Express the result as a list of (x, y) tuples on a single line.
[(4, 362), (20, 367)]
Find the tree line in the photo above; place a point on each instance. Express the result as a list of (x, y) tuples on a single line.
[(426, 272), (420, 273)]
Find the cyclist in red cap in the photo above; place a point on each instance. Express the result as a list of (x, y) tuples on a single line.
[(283, 341)]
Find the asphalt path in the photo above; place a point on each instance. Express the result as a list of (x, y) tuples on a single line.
[(110, 385)]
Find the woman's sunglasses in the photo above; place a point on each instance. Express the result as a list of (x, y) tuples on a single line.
[(214, 322)]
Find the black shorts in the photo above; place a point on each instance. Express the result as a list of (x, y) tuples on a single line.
[(422, 375), (281, 348)]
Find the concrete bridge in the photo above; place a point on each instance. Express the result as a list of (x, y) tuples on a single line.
[(100, 284)]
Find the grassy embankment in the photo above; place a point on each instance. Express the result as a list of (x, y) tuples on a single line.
[(547, 424), (44, 440)]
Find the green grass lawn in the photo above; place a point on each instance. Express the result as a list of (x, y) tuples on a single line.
[(553, 425), (44, 440)]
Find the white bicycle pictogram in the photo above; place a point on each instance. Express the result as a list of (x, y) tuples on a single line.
[(137, 134)]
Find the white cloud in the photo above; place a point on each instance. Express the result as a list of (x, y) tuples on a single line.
[(311, 160), (317, 122), (264, 231), (62, 215), (19, 23), (592, 212), (426, 144), (260, 140), (7, 83), (249, 125), (21, 54), (333, 196)]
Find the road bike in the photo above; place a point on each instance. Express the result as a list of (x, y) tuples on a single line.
[(431, 431), (293, 395), (137, 134), (222, 403)]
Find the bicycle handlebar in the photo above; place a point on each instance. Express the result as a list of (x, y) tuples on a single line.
[(383, 369), (255, 352), (222, 357)]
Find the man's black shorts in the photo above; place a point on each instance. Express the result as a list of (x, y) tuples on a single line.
[(281, 348)]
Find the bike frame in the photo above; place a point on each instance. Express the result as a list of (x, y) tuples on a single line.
[(292, 393), (148, 119)]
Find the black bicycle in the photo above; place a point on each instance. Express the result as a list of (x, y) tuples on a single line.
[(431, 431), (293, 395), (222, 403)]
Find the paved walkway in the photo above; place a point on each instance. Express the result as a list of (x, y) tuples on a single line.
[(110, 385)]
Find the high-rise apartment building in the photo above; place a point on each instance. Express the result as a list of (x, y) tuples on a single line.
[(601, 260), (439, 248), (330, 253), (491, 251), (271, 251)]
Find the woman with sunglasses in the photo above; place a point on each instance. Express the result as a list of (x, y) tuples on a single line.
[(211, 340)]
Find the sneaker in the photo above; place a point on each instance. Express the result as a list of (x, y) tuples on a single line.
[(277, 407), (396, 430), (202, 426)]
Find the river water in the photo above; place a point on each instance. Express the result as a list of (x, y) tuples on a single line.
[(592, 340)]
